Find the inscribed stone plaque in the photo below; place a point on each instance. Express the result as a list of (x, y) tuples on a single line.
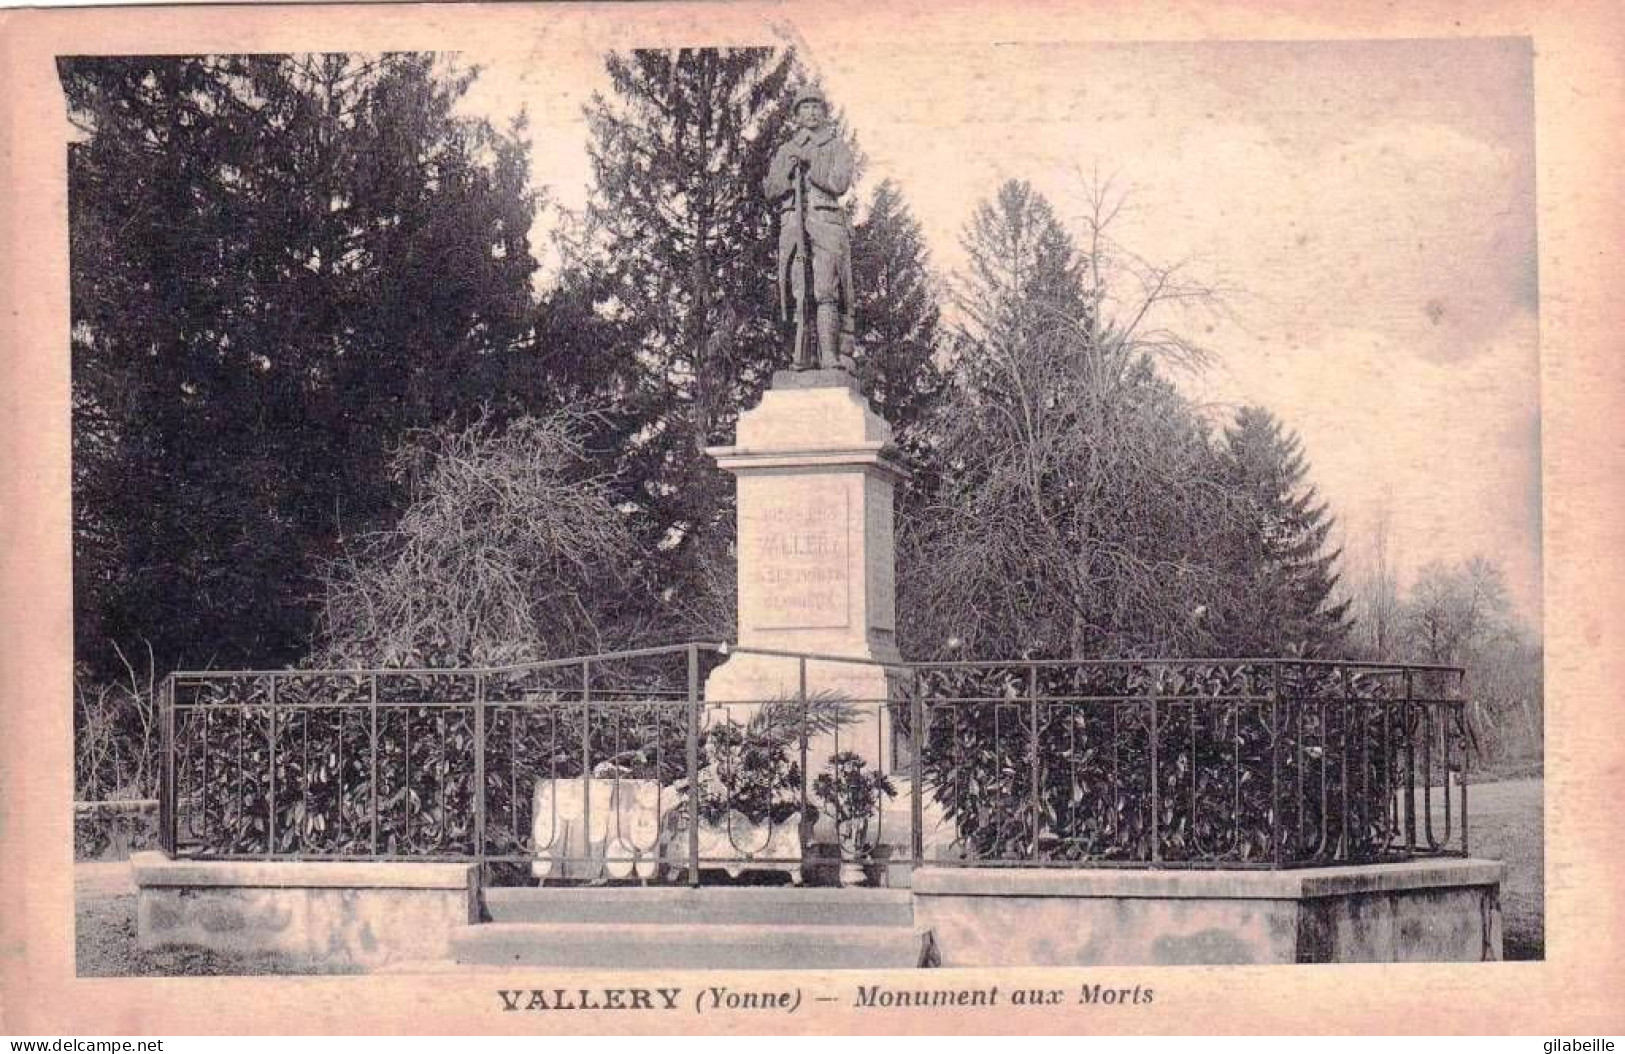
[(795, 562)]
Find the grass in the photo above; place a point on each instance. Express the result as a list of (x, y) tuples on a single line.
[(105, 946), (1506, 822), (1507, 769)]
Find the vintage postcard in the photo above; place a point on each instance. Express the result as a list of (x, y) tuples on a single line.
[(789, 518)]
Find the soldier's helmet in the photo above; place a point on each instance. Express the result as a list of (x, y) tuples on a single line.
[(810, 93)]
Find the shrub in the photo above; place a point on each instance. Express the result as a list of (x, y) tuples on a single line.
[(116, 734), (852, 796), (1227, 770)]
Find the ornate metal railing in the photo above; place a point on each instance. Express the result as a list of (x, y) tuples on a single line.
[(617, 765), (1181, 763)]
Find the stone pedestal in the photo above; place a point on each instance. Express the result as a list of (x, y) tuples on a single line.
[(1443, 910), (815, 550)]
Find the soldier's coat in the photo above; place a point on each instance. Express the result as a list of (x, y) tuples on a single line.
[(829, 175)]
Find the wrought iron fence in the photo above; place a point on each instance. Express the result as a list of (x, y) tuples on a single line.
[(1181, 763), (617, 765)]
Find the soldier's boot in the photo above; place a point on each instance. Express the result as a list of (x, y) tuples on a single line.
[(829, 329), (849, 344)]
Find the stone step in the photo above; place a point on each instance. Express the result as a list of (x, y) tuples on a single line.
[(766, 906), (686, 947)]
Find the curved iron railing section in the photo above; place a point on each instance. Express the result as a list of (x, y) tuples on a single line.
[(1229, 763)]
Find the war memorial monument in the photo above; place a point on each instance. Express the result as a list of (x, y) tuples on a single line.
[(1013, 812)]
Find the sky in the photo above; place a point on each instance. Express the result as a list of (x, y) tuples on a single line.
[(1366, 207)]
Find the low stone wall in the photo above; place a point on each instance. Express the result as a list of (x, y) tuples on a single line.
[(376, 914), (360, 914), (112, 830), (1418, 911)]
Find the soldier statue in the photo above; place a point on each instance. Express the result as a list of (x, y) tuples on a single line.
[(805, 181)]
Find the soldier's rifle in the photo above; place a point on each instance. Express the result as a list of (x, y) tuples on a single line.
[(807, 329)]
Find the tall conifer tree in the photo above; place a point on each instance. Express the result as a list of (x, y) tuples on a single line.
[(898, 328), (687, 245), (280, 266), (1281, 601), (683, 246)]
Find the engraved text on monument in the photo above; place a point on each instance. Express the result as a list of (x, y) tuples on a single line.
[(797, 570)]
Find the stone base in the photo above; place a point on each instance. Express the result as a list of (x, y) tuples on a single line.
[(748, 678), (938, 842), (796, 379), (1420, 911), (382, 915), (322, 912)]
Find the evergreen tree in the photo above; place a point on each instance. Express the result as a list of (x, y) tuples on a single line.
[(898, 330), (1025, 285), (684, 247), (1284, 574), (680, 229), (280, 265)]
